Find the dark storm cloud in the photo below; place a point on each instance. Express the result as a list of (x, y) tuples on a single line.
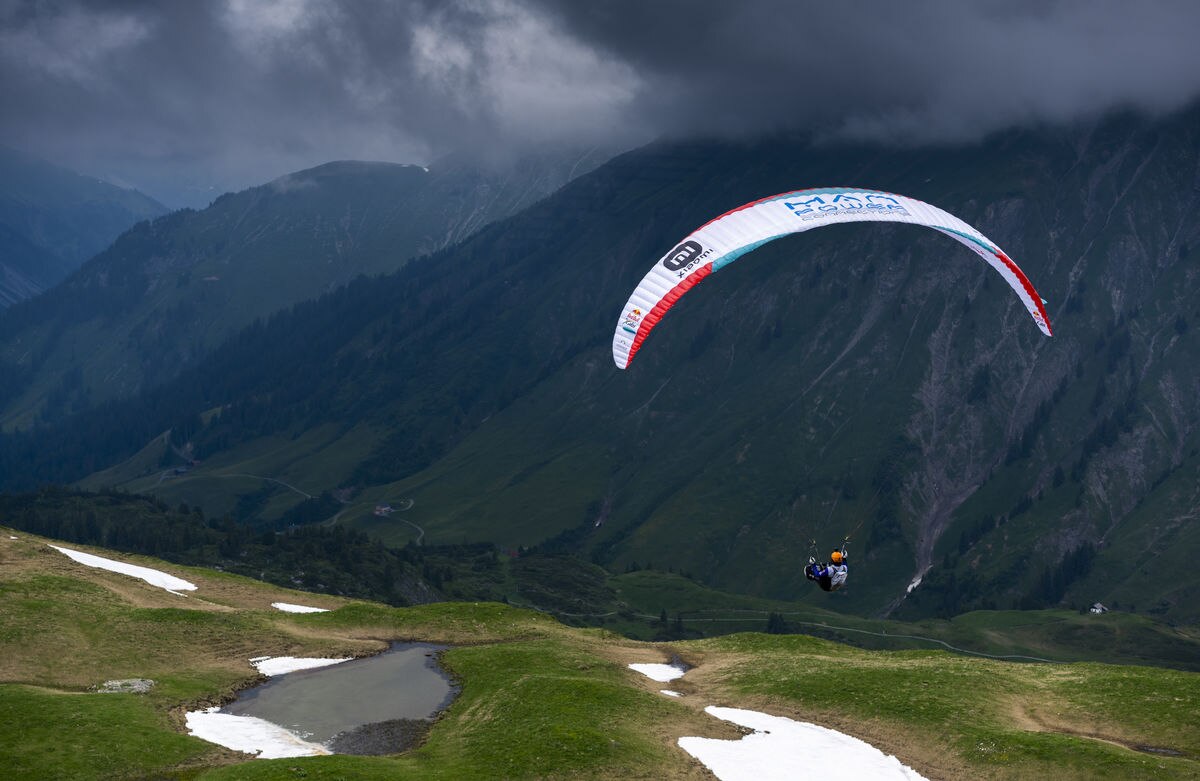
[(908, 71), (203, 90), (232, 93)]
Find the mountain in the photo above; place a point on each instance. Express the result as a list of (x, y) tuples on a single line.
[(170, 290), (52, 220), (871, 381)]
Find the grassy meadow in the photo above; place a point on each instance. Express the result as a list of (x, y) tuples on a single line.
[(538, 699)]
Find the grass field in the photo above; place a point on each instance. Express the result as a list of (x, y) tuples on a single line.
[(538, 699), (638, 600)]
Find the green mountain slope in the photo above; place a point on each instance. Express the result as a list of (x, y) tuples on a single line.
[(167, 292), (52, 220), (642, 604), (538, 699), (863, 380)]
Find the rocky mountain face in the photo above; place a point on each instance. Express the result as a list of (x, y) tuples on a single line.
[(869, 381), (52, 220), (169, 291)]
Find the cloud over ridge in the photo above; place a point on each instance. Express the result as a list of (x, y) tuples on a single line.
[(242, 91)]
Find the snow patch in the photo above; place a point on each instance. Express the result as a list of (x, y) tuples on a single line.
[(779, 747), (659, 672), (152, 576), (913, 585), (250, 735), (280, 665), (669, 693), (290, 608)]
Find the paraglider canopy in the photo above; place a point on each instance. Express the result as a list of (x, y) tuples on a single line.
[(726, 238)]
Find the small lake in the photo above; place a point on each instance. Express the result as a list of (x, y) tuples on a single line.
[(380, 704)]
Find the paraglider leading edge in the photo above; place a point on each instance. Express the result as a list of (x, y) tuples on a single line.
[(726, 238)]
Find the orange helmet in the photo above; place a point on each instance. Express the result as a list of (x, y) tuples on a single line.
[(836, 557)]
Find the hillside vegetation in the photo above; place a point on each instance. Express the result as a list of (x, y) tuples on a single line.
[(643, 604), (872, 381), (538, 699)]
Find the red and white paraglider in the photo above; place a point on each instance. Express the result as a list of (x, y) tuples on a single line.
[(726, 238)]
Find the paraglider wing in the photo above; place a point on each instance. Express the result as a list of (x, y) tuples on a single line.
[(726, 238)]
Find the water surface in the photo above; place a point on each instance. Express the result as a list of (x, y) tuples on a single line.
[(402, 683)]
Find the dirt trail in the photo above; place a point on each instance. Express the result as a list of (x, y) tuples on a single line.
[(1024, 719)]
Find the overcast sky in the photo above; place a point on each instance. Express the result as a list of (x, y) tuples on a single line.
[(189, 98)]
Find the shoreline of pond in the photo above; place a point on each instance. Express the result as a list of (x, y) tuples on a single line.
[(343, 707)]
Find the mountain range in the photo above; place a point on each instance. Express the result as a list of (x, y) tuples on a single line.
[(165, 294), (871, 382), (52, 220)]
